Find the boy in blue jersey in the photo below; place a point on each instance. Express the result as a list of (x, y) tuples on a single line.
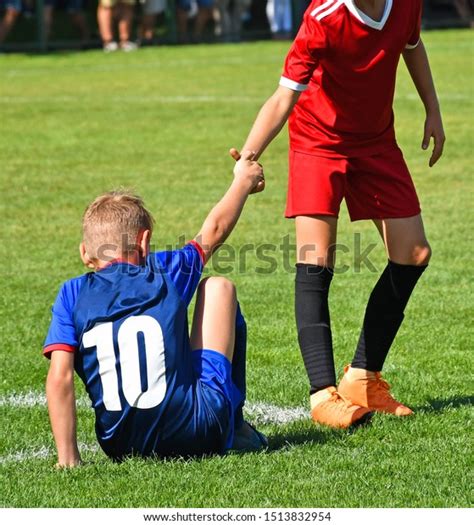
[(123, 329)]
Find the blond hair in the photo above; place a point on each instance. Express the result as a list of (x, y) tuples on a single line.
[(113, 221)]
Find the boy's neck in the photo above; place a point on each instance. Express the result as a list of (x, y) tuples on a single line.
[(130, 258), (372, 8)]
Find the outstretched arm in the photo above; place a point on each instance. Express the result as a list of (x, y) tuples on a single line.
[(304, 56), (62, 407), (418, 66), (225, 214), (270, 120)]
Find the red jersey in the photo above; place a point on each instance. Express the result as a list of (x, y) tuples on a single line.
[(346, 64)]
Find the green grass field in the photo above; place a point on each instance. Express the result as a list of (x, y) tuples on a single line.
[(161, 121)]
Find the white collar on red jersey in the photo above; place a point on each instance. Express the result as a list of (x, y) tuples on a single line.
[(360, 15)]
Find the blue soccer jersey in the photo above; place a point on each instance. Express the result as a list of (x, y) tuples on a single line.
[(128, 328)]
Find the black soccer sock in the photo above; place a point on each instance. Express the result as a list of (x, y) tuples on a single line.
[(384, 314), (312, 321)]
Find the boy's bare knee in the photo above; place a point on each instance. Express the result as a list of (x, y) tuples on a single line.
[(421, 255), (217, 286)]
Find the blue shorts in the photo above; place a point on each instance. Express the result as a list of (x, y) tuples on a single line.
[(200, 422), (186, 4), (217, 396)]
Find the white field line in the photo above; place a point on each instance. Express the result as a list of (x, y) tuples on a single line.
[(159, 65), (244, 58), (454, 97), (40, 453), (26, 455), (176, 99), (33, 399), (131, 99), (258, 412), (266, 413)]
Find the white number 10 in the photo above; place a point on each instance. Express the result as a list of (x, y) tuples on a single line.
[(101, 337)]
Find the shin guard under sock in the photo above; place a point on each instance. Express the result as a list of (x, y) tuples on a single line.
[(313, 323), (384, 314)]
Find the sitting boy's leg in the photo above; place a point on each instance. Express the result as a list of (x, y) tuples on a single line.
[(409, 253), (219, 325), (246, 437), (214, 316)]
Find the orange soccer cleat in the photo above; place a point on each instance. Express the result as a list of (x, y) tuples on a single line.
[(368, 389), (330, 408)]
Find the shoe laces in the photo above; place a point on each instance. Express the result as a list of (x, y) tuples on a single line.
[(383, 387), (341, 403), (381, 383)]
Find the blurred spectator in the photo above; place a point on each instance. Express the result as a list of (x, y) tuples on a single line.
[(12, 11), (280, 18), (257, 21), (75, 8), (300, 7), (150, 11), (230, 18), (204, 14), (464, 9), (121, 10)]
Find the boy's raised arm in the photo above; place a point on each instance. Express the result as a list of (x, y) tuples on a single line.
[(221, 220), (270, 119), (62, 407)]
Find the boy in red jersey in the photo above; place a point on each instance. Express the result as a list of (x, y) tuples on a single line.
[(337, 89)]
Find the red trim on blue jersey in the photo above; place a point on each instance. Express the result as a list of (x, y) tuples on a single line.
[(47, 350), (199, 250)]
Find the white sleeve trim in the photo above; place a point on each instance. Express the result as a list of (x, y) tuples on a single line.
[(412, 46), (291, 84)]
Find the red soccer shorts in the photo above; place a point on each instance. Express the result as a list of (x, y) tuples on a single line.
[(375, 187)]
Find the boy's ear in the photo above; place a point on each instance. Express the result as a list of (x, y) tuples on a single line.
[(143, 243), (85, 257)]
